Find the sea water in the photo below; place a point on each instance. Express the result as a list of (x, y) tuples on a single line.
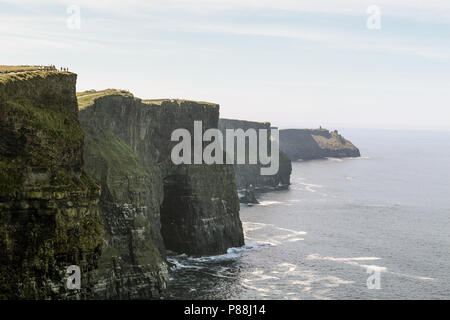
[(375, 227)]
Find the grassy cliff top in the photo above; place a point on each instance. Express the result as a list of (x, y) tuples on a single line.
[(20, 73), (237, 122), (306, 130), (334, 141), (87, 98), (9, 69), (179, 101)]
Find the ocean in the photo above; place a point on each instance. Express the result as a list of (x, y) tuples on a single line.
[(375, 227)]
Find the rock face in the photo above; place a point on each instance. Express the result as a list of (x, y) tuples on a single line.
[(49, 215), (249, 174), (148, 204), (309, 144)]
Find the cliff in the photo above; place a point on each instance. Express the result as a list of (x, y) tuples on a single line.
[(249, 174), (309, 144), (49, 216), (148, 204)]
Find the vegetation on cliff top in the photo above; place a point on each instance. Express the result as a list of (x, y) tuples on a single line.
[(178, 101), (27, 75), (4, 69), (332, 140), (87, 98)]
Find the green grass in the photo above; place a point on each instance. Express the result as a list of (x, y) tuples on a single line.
[(18, 68), (119, 156), (179, 101), (11, 178), (27, 75), (334, 142), (53, 123), (87, 98)]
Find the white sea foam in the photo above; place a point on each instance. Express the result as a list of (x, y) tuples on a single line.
[(264, 282), (184, 261), (334, 159), (310, 186), (252, 232), (269, 203), (353, 262)]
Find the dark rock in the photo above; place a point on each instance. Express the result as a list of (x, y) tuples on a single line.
[(248, 196)]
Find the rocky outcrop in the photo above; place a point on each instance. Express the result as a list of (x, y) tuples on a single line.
[(309, 144), (248, 176), (49, 216), (148, 204)]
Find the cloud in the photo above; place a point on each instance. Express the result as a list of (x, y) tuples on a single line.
[(413, 8), (170, 15)]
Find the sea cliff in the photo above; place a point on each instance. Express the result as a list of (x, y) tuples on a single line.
[(148, 204), (248, 176), (49, 215), (307, 144)]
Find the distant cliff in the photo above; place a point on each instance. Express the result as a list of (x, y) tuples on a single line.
[(249, 174), (49, 215), (148, 204), (309, 144)]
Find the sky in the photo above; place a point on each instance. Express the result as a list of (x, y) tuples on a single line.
[(293, 63)]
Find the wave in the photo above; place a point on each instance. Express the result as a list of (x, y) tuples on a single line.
[(183, 261), (310, 186), (269, 203), (355, 262), (333, 159), (274, 235), (360, 158)]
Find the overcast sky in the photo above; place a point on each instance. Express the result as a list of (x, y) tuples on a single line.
[(293, 63)]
